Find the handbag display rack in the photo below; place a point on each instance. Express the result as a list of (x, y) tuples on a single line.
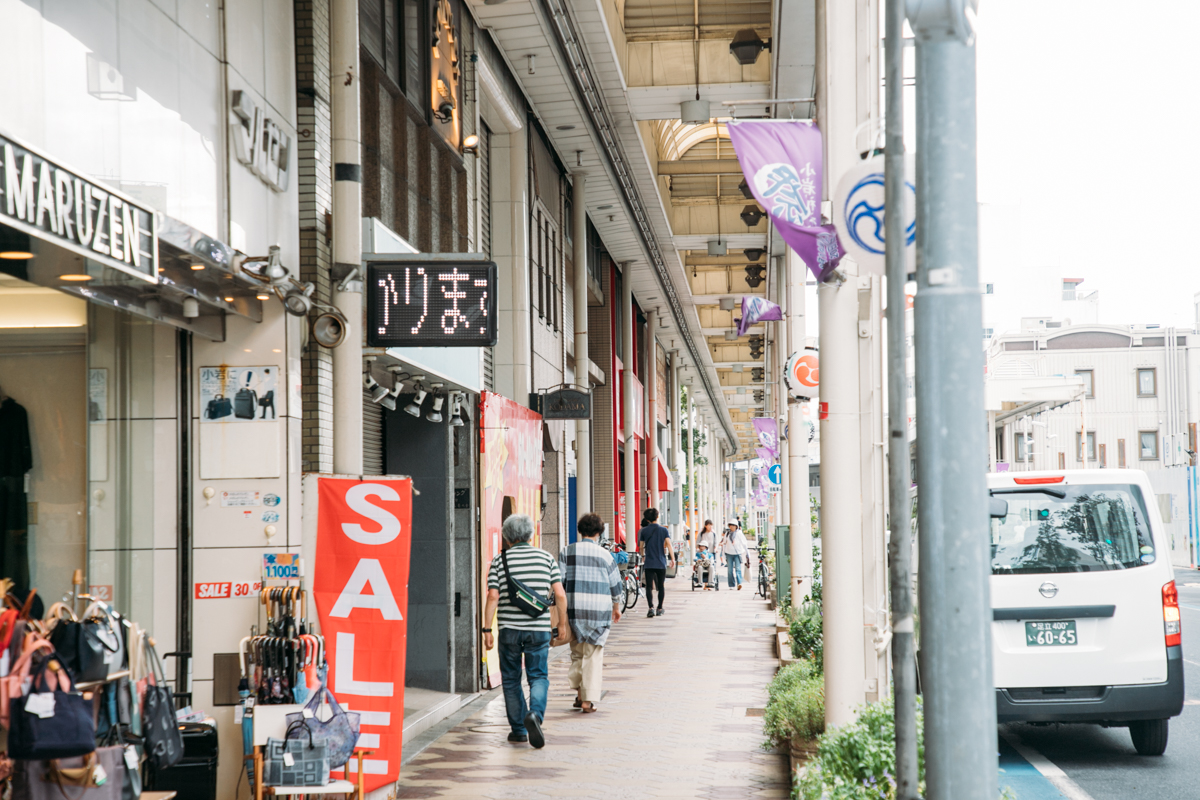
[(81, 698)]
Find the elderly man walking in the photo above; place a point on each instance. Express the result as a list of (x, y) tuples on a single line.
[(593, 588), (523, 583)]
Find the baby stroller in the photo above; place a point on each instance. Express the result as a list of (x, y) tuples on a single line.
[(704, 572)]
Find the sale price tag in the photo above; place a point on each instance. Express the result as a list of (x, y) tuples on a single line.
[(282, 567)]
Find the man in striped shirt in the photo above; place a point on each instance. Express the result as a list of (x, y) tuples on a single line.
[(593, 588), (521, 633)]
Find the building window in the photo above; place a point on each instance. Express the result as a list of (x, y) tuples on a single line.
[(1068, 289), (1103, 456), (988, 288), (1089, 384), (1120, 454), (1147, 382), (1091, 446), (1021, 447), (987, 333), (1148, 449)]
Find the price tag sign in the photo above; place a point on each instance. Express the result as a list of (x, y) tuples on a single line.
[(281, 567), (431, 302)]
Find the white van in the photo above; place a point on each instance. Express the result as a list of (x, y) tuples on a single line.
[(1086, 624)]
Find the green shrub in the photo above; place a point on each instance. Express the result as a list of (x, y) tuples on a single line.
[(805, 633), (856, 761), (796, 704)]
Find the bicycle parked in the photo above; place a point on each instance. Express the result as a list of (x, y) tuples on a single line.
[(631, 581)]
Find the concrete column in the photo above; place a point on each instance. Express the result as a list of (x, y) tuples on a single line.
[(522, 354), (672, 401), (631, 518), (347, 235), (690, 472), (796, 478), (652, 409), (583, 433)]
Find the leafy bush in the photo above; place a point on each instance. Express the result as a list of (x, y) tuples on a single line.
[(856, 761), (805, 632), (795, 705)]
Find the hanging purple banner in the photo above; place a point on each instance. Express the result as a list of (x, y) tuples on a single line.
[(782, 165), (757, 309), (767, 430), (765, 455)]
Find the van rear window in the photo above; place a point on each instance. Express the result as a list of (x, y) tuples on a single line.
[(1064, 528)]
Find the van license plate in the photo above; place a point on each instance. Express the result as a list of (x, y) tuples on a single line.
[(1053, 632)]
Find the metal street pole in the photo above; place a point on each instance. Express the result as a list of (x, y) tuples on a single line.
[(904, 673), (956, 635), (583, 433), (799, 513), (631, 487)]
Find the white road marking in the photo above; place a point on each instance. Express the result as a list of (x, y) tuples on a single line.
[(1049, 770)]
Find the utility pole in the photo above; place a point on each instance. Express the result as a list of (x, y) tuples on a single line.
[(631, 518), (799, 515), (956, 630), (347, 236), (904, 672)]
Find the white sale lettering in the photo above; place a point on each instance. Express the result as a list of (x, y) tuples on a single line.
[(369, 572), (356, 499)]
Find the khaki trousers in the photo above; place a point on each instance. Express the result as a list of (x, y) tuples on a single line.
[(587, 666)]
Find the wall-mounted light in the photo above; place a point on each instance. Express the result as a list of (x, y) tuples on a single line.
[(471, 144), (746, 46), (445, 111), (374, 390), (414, 408), (456, 420)]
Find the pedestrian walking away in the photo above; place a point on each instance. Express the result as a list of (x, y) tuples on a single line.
[(592, 584), (524, 582), (656, 546), (733, 553)]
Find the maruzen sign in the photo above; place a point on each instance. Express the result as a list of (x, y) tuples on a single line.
[(360, 584)]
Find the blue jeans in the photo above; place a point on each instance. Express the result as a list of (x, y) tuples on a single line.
[(535, 647), (733, 568)]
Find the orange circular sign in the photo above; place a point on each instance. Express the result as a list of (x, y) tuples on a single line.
[(802, 374)]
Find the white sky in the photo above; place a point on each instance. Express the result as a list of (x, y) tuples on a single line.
[(1086, 165)]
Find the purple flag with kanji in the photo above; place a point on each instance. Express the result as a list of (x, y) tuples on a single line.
[(757, 309), (767, 430), (764, 454), (782, 164)]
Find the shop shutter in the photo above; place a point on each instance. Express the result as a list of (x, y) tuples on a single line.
[(485, 234), (372, 437)]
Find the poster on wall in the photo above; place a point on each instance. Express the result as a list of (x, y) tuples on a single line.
[(360, 585), (510, 463), (97, 395), (238, 394)]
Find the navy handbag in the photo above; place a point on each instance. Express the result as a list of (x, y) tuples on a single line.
[(67, 732)]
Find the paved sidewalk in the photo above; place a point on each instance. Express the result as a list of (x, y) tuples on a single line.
[(680, 717)]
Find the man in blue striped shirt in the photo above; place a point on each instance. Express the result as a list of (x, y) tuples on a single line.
[(592, 584)]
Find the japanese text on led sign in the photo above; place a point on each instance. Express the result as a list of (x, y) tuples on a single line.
[(432, 303)]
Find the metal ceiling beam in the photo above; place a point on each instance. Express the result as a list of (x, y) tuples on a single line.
[(590, 97), (701, 166)]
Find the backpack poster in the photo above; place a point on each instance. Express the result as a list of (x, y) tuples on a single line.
[(238, 394)]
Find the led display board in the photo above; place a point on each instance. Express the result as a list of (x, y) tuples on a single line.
[(439, 302)]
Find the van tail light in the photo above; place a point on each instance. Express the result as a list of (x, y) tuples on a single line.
[(1171, 621), (1039, 481)]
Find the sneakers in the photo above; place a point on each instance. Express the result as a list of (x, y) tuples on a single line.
[(519, 738), (658, 613), (534, 726), (650, 613)]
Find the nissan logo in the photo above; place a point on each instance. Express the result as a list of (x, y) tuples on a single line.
[(1048, 589)]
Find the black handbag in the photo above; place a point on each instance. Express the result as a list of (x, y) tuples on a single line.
[(164, 744), (524, 598), (219, 407), (67, 732), (296, 762), (81, 649)]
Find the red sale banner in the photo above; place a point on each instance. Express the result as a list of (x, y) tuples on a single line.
[(360, 585)]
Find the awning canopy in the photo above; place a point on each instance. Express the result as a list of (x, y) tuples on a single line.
[(664, 477)]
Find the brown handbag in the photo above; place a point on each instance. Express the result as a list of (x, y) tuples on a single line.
[(71, 778)]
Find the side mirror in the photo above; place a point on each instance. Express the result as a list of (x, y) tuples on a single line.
[(997, 507)]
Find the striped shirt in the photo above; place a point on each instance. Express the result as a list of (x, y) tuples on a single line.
[(533, 567), (592, 584)]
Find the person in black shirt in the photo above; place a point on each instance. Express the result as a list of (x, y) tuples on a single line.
[(655, 543)]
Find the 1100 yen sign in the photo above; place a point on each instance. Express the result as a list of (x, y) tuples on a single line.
[(1057, 632)]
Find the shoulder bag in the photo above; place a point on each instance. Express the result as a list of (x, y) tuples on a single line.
[(296, 762), (339, 732), (51, 721), (96, 776), (164, 744), (528, 601)]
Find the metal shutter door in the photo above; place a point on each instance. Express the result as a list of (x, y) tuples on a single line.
[(485, 234), (372, 437)]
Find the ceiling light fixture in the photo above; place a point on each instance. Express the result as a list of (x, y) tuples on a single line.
[(14, 245), (197, 267), (191, 308), (456, 420), (414, 408), (717, 248), (752, 215), (745, 190), (753, 253), (77, 277), (746, 46), (564, 127)]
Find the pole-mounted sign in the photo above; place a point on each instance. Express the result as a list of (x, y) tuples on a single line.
[(858, 209), (802, 374)]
